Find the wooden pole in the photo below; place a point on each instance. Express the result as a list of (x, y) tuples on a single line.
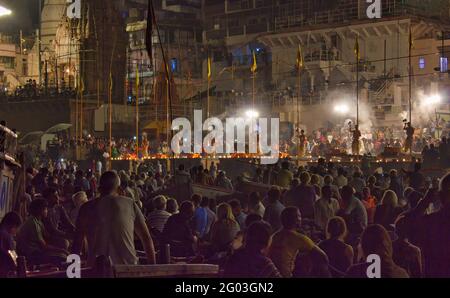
[(207, 114), (253, 90), (81, 108), (137, 113), (98, 93), (110, 119), (298, 115), (167, 120)]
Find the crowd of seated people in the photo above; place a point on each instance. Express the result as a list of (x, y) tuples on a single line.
[(314, 221)]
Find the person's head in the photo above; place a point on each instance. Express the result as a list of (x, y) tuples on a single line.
[(444, 190), (109, 183), (172, 206), (43, 171), (79, 174), (196, 199), (224, 212), (366, 192), (205, 202), (258, 236), (235, 207), (327, 192), (79, 198), (315, 180), (291, 218), (187, 210), (305, 178), (160, 202), (39, 208), (413, 198), (254, 199), (341, 171), (285, 165), (417, 166), (294, 183), (11, 223), (251, 218), (328, 180), (213, 204), (336, 228), (347, 193), (389, 199), (274, 194), (375, 240), (393, 174), (402, 229), (435, 183), (407, 191), (51, 195), (371, 180), (181, 167)]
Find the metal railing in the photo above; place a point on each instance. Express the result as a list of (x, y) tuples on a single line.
[(8, 144)]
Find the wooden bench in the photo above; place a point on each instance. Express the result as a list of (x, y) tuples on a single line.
[(172, 270)]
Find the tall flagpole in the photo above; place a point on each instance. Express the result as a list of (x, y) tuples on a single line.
[(208, 86), (357, 85), (253, 70), (81, 107), (110, 118), (356, 132), (208, 100), (137, 111), (410, 84), (253, 89), (299, 69), (410, 76), (167, 118)]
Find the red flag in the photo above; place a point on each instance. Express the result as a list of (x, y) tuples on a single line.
[(149, 33)]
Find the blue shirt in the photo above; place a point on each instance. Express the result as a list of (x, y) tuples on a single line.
[(200, 220)]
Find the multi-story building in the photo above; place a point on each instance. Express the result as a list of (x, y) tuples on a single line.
[(326, 31), (13, 64), (180, 36)]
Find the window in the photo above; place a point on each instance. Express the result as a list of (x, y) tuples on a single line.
[(422, 63), (444, 64)]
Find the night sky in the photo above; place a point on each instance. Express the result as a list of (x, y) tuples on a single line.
[(25, 16)]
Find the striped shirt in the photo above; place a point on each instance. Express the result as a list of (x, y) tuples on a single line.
[(157, 219)]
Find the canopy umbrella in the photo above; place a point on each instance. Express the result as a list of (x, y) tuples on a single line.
[(32, 137), (58, 128)]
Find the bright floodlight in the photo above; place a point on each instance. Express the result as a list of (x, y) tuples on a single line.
[(4, 11), (341, 109), (433, 99), (251, 114)]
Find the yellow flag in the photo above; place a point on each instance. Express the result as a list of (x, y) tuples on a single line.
[(299, 58), (209, 68), (137, 75), (254, 65), (357, 48)]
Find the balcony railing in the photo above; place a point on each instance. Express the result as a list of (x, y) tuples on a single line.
[(8, 144)]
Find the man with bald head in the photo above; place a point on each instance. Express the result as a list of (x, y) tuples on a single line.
[(432, 231), (110, 223)]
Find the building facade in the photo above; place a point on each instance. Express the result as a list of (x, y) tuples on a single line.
[(180, 37), (326, 31)]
